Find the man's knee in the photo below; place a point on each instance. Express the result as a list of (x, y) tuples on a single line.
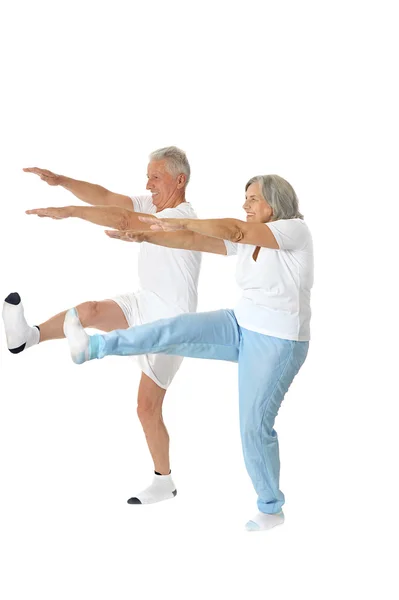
[(149, 401), (148, 410), (88, 313)]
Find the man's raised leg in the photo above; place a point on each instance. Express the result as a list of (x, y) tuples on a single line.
[(105, 315)]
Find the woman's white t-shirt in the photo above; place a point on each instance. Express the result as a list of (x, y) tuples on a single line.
[(276, 287)]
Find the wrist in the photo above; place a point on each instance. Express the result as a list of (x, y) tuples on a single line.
[(146, 236), (64, 182)]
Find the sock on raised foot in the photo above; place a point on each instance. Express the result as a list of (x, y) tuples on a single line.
[(77, 338), (263, 521), (19, 334), (162, 488)]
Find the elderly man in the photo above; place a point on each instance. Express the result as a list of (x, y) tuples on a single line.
[(168, 279)]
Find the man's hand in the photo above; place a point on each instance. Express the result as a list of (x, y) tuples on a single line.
[(53, 213), (47, 176), (127, 236), (165, 224)]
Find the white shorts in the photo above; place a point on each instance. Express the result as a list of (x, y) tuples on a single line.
[(144, 307)]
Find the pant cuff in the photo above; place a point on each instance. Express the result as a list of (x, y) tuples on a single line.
[(94, 346)]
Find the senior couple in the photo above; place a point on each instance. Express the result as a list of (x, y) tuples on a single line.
[(267, 332)]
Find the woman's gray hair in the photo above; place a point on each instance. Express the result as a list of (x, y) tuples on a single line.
[(280, 195), (176, 160)]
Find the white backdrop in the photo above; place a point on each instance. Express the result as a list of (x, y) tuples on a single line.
[(303, 89)]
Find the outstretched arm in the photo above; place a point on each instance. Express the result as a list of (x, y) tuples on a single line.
[(233, 230), (186, 240), (88, 192), (107, 216)]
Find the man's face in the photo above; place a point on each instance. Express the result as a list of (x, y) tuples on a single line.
[(162, 185), (256, 207)]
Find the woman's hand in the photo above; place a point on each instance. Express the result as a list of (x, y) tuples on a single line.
[(165, 224), (127, 236), (53, 213)]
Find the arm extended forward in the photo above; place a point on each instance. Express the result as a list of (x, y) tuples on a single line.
[(107, 216), (88, 192), (185, 240)]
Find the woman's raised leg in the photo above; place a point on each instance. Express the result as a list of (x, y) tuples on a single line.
[(212, 335)]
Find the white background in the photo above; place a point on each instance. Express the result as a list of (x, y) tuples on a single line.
[(303, 89)]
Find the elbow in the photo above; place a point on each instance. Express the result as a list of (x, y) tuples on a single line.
[(235, 234), (123, 223)]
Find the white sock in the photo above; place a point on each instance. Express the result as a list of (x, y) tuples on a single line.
[(77, 337), (162, 488), (19, 334), (263, 521)]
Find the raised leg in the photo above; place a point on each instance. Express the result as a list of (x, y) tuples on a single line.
[(212, 335), (105, 315)]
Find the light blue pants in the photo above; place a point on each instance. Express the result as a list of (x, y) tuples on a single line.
[(266, 367)]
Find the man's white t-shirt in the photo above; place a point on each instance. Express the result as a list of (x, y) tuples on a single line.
[(168, 276), (276, 287)]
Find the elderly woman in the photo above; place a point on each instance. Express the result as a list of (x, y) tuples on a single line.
[(267, 333)]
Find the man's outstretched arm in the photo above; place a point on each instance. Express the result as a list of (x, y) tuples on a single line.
[(107, 216), (88, 192)]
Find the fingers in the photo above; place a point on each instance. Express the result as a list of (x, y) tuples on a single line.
[(53, 213), (161, 224), (45, 175), (118, 235), (125, 236), (37, 171), (40, 212), (148, 219)]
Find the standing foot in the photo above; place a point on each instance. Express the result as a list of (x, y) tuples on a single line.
[(263, 521)]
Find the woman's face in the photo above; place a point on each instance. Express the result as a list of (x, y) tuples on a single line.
[(256, 207)]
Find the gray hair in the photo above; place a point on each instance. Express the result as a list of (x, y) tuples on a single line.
[(176, 160), (279, 194)]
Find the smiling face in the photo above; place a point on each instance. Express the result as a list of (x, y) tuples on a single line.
[(256, 207), (165, 188)]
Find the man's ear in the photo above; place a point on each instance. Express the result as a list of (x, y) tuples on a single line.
[(181, 180)]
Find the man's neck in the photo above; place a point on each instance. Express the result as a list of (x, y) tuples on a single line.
[(172, 202)]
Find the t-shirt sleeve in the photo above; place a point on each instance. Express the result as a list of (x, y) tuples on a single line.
[(143, 204), (290, 234), (231, 248)]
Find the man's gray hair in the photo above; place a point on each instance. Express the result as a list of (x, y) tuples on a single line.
[(279, 194), (176, 160)]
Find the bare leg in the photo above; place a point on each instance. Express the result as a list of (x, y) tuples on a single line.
[(106, 315), (149, 410)]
